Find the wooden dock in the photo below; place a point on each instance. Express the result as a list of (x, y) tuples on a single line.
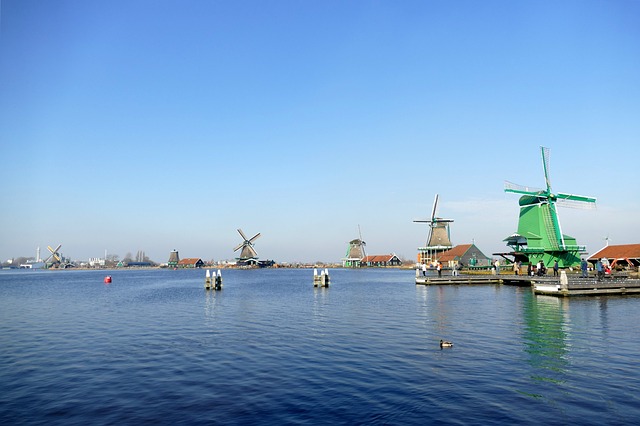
[(590, 287), (473, 279), (552, 286)]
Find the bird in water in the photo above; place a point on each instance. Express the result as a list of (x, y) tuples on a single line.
[(445, 344)]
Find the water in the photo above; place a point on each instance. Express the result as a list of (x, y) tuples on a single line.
[(154, 347)]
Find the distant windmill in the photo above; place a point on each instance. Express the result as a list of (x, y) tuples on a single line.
[(355, 252), (539, 235), (248, 254), (54, 258), (439, 237)]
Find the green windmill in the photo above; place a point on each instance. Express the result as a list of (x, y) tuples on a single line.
[(539, 235)]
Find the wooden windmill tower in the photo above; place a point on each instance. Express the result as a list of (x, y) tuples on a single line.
[(539, 235), (438, 239), (355, 252), (248, 255)]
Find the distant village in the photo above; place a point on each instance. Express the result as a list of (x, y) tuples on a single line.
[(539, 240)]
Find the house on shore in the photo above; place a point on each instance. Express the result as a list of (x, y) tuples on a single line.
[(621, 255), (467, 254), (381, 260), (191, 262)]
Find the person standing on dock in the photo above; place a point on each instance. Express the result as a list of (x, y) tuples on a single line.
[(555, 269), (439, 268), (516, 268), (424, 269), (600, 269), (497, 265), (529, 270), (583, 268)]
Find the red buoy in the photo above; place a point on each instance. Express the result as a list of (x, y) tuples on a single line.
[(107, 279)]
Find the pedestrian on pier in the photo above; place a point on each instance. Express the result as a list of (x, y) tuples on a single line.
[(456, 269), (516, 268), (529, 270), (600, 269), (424, 269), (583, 268), (497, 265), (555, 269), (439, 268)]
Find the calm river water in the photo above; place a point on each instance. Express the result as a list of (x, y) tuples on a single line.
[(153, 347)]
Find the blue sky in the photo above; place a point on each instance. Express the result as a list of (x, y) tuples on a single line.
[(160, 125)]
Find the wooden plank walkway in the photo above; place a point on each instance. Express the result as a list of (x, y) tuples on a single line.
[(576, 286), (473, 279), (590, 287)]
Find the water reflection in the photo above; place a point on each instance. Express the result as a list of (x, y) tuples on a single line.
[(546, 337), (320, 299), (604, 318), (211, 301)]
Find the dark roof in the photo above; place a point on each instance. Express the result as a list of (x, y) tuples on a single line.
[(621, 251)]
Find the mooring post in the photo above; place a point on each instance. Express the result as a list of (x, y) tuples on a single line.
[(564, 281), (207, 280), (218, 280), (322, 279)]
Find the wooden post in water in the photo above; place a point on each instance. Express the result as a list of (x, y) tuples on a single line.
[(218, 281), (321, 280), (564, 281), (207, 280)]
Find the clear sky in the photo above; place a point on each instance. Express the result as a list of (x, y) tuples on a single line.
[(160, 125)]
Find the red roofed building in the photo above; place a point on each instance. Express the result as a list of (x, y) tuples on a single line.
[(467, 254), (381, 260), (191, 262), (620, 255)]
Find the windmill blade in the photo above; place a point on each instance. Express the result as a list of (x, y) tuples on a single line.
[(545, 166), (521, 189), (255, 237), (54, 253), (441, 220), (435, 206), (576, 201), (252, 251), (242, 244), (244, 237)]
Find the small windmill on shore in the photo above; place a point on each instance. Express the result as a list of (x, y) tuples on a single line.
[(438, 239), (355, 252), (539, 235), (54, 259), (248, 255)]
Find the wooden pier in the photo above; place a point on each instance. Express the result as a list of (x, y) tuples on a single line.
[(472, 279), (552, 286), (590, 287)]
